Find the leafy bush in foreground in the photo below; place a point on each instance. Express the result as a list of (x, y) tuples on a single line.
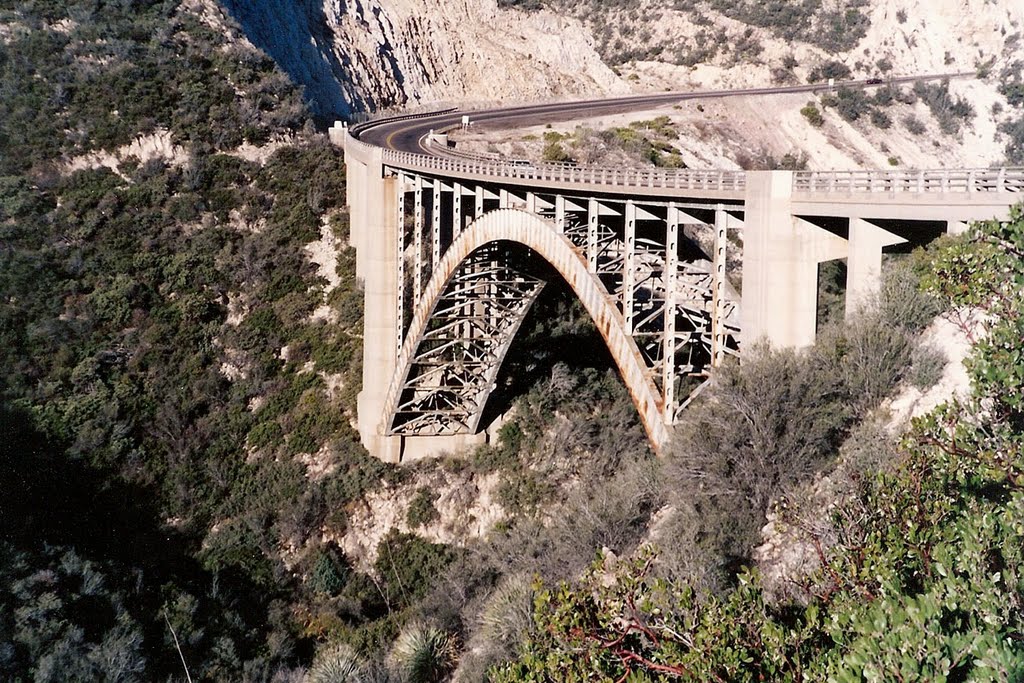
[(920, 579)]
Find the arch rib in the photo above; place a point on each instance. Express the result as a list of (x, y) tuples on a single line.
[(541, 236)]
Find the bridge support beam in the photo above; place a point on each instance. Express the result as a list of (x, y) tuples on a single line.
[(780, 264), (375, 234), (864, 265)]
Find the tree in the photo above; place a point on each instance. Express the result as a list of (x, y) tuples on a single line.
[(921, 568)]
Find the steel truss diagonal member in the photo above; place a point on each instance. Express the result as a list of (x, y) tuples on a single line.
[(471, 309), (459, 352)]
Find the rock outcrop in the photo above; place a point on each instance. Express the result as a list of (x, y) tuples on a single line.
[(361, 55)]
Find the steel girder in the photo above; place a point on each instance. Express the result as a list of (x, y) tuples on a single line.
[(458, 356), (680, 313)]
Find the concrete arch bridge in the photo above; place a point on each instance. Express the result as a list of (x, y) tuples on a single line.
[(449, 250)]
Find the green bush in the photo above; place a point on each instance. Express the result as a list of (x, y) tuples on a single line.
[(421, 511), (813, 115), (408, 566), (328, 572)]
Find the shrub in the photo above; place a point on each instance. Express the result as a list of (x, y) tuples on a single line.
[(950, 111), (424, 654), (828, 69), (913, 124), (852, 103), (329, 572), (421, 510), (813, 115), (408, 565), (929, 363), (880, 119), (337, 664)]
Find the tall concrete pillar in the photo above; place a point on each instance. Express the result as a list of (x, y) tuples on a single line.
[(781, 253), (373, 206), (864, 265)]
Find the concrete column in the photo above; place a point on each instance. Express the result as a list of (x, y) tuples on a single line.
[(456, 209), (864, 265), (435, 226), (374, 214), (417, 241), (956, 227), (560, 212), (718, 288), (592, 218), (478, 202), (780, 264)]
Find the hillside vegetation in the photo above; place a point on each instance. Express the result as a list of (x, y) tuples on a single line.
[(180, 348), (161, 366), (918, 565)]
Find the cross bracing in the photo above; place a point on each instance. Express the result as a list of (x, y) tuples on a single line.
[(672, 299)]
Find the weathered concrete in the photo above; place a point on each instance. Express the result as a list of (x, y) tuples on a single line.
[(864, 265), (779, 213), (781, 253), (374, 234)]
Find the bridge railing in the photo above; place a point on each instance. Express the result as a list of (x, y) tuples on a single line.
[(933, 181), (680, 179), (358, 128)]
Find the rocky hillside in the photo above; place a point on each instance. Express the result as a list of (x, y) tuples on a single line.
[(362, 55)]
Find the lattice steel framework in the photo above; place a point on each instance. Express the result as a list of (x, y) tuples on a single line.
[(674, 299), (458, 356)]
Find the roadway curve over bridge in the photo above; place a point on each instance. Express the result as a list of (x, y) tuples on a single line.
[(402, 134), (454, 249)]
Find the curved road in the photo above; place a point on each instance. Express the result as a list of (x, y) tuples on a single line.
[(407, 135)]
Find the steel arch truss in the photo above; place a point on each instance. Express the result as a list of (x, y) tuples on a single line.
[(659, 269), (457, 357)]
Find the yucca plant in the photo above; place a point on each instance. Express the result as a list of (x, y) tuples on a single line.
[(507, 617), (337, 664), (424, 653)]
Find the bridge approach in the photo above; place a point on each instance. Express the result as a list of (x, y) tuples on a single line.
[(454, 249)]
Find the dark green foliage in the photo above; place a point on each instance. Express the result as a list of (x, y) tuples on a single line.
[(813, 115), (421, 508), (852, 103), (919, 567), (826, 70), (408, 566), (329, 572), (143, 433), (1014, 132), (880, 119), (951, 111)]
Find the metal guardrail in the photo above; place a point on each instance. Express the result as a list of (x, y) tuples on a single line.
[(963, 181), (360, 127), (679, 179), (978, 180)]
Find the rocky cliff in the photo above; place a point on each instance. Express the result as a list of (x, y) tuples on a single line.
[(359, 55)]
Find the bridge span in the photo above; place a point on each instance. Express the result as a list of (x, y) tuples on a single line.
[(453, 251)]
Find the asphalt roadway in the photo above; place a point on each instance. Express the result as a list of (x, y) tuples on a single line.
[(407, 135)]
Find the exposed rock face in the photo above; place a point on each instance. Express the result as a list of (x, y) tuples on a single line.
[(358, 55)]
